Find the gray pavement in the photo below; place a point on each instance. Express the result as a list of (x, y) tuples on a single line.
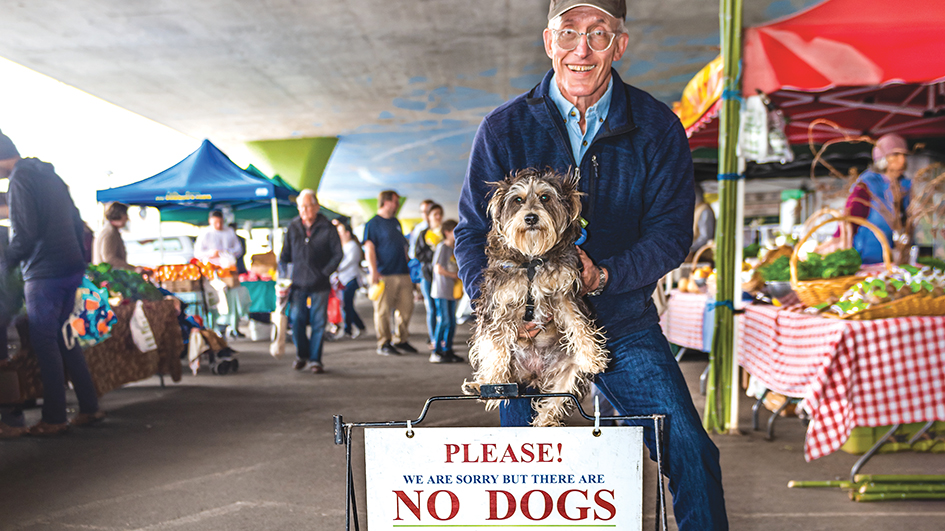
[(254, 451)]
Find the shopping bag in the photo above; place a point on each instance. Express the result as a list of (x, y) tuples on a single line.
[(334, 309), (457, 289), (280, 321), (195, 347), (376, 290), (92, 317), (416, 270), (141, 332)]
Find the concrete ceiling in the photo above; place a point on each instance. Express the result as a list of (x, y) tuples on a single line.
[(402, 83)]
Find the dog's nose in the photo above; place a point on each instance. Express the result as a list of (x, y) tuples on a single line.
[(531, 219)]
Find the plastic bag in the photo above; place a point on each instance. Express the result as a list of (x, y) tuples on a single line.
[(416, 270), (334, 309), (376, 290)]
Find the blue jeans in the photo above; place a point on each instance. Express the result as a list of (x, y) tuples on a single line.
[(426, 287), (445, 325), (49, 302), (643, 378), (351, 315), (303, 315)]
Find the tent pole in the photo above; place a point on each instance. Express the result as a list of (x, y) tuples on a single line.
[(276, 234), (160, 235)]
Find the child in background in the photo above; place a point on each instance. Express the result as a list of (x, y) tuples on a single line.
[(445, 277)]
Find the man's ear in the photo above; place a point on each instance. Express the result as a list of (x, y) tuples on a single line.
[(548, 38), (620, 47)]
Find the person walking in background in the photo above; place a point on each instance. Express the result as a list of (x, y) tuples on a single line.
[(313, 248), (445, 277), (349, 274), (427, 241), (419, 227), (386, 250), (108, 247), (49, 246)]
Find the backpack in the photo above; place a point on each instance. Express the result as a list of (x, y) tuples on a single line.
[(92, 317)]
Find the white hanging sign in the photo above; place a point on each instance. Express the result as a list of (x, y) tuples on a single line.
[(445, 478)]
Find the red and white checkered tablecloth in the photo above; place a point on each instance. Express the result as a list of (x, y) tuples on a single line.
[(849, 373), (682, 320)]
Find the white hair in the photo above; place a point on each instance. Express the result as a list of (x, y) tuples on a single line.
[(617, 25), (306, 193)]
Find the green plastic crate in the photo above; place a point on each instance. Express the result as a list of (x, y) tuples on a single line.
[(862, 439)]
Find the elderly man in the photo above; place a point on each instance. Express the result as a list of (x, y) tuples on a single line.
[(635, 168), (313, 248), (386, 250)]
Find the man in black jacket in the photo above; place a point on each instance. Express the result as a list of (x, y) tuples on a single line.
[(48, 240), (313, 247)]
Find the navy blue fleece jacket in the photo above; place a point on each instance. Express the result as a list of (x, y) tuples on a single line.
[(638, 181)]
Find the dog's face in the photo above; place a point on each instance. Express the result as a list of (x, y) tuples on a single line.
[(531, 210)]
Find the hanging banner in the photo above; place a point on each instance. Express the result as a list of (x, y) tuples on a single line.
[(445, 478)]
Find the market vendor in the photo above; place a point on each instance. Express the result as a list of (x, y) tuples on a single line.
[(108, 247), (880, 194), (219, 245)]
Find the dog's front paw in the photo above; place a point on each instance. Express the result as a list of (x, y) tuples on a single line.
[(470, 388)]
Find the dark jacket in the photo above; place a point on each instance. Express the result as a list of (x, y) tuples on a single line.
[(314, 257), (637, 177), (48, 233)]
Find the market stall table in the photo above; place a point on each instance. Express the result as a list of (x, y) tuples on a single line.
[(847, 373), (115, 361), (685, 321), (262, 294)]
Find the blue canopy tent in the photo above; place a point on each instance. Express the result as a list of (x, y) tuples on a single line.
[(204, 180)]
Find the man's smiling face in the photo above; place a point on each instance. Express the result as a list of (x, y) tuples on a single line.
[(583, 74)]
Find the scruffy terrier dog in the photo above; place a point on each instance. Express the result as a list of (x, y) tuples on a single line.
[(534, 275)]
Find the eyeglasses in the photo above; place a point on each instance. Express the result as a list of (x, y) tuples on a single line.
[(598, 40)]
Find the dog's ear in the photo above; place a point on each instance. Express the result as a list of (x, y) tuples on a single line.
[(569, 189), (501, 188)]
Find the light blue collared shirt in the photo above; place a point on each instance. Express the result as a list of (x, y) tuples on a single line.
[(595, 117)]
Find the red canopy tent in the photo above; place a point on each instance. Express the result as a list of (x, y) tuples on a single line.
[(872, 66)]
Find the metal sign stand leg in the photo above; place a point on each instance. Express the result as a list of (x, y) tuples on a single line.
[(343, 431)]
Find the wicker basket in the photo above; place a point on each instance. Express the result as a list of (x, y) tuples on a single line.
[(911, 306), (814, 292)]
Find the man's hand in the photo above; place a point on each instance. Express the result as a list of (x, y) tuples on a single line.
[(590, 273), (215, 254), (375, 277)]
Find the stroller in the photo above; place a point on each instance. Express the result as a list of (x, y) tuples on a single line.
[(200, 341)]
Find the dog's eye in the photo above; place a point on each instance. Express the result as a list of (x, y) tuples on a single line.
[(519, 200), (544, 198)]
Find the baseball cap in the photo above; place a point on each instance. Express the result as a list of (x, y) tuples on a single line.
[(614, 8)]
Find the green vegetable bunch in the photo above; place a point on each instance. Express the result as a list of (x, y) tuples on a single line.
[(128, 284), (837, 264), (934, 263)]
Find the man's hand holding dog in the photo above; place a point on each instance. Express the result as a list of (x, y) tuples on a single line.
[(590, 273)]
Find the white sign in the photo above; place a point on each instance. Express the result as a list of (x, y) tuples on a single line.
[(444, 478)]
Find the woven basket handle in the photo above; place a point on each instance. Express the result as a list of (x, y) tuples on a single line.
[(695, 258), (887, 254)]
